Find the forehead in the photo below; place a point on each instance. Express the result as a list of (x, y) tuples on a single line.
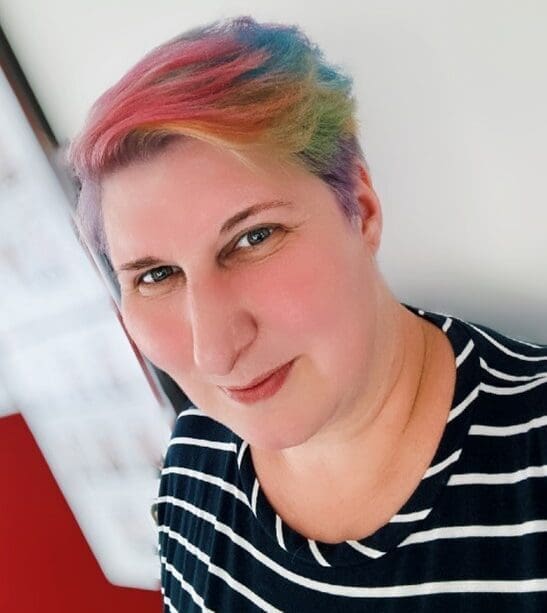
[(199, 167), (190, 189)]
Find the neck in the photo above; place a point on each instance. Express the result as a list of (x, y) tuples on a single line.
[(373, 429), (351, 477)]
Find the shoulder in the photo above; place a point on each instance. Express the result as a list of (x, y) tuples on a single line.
[(502, 378), (507, 358), (198, 441), (513, 386), (198, 466)]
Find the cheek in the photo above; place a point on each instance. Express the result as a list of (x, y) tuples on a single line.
[(159, 332), (322, 305), (313, 294), (314, 302)]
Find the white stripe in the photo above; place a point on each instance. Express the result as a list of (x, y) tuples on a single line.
[(508, 377), (463, 355), (508, 391), (407, 517), (458, 587), (368, 551), (242, 450), (188, 412), (456, 532), (520, 356), (254, 496), (189, 589), (201, 442), (317, 554), (529, 344), (530, 585), (433, 470), (498, 478), (218, 571), (167, 601), (447, 324), (460, 408), (279, 532), (218, 481), (481, 430)]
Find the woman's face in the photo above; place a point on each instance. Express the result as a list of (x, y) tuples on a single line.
[(229, 271)]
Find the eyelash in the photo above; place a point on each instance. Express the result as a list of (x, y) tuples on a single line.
[(232, 247)]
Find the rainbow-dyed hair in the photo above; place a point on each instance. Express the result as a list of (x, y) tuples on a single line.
[(239, 84)]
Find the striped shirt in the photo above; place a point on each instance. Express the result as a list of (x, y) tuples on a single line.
[(472, 536)]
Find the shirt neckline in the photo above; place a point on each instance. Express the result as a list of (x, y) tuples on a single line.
[(419, 507)]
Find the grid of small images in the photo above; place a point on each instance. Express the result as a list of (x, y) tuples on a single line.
[(67, 366)]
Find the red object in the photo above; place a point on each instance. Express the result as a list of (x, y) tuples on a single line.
[(46, 564)]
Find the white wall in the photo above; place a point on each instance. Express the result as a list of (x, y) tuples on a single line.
[(452, 103)]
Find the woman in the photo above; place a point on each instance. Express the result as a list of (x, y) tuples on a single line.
[(345, 452)]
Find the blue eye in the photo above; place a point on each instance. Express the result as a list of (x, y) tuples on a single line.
[(156, 275), (255, 237)]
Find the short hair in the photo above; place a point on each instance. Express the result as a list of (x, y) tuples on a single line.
[(235, 83)]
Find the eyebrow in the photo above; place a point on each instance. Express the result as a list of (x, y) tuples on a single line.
[(139, 264), (228, 225)]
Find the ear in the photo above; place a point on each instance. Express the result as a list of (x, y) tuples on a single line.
[(369, 208)]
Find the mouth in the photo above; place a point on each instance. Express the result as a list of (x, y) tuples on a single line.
[(262, 387)]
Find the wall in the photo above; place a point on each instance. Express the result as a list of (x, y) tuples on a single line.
[(452, 98)]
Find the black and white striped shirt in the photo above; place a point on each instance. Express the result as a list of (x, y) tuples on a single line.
[(472, 537)]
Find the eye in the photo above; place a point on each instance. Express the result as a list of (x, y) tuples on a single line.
[(156, 275), (254, 237), (159, 281)]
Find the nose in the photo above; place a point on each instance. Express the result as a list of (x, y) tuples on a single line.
[(222, 328)]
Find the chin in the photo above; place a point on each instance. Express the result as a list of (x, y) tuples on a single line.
[(278, 436), (278, 424)]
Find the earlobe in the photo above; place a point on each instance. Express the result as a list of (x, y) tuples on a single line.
[(370, 208)]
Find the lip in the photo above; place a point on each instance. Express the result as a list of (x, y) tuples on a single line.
[(262, 387)]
